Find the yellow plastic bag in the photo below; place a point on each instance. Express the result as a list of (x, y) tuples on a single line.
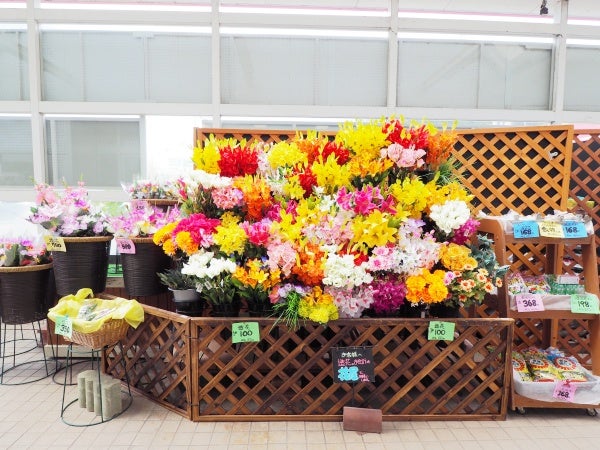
[(98, 310)]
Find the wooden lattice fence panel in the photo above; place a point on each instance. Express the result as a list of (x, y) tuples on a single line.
[(157, 357), (289, 373), (585, 184), (266, 136)]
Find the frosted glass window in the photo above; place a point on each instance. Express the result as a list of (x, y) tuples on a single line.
[(179, 68), (14, 78), (581, 79), (125, 67), (102, 153), (16, 152), (308, 71), (473, 75)]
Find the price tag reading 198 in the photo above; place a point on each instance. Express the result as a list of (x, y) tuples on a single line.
[(529, 302), (584, 304)]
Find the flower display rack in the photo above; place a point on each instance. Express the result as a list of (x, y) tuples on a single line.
[(190, 366), (523, 169)]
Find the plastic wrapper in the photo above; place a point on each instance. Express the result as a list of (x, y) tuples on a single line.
[(520, 367), (88, 314)]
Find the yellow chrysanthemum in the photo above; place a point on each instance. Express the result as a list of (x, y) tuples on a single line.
[(164, 233), (457, 257), (185, 242)]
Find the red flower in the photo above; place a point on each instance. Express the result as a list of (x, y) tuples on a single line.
[(342, 155), (238, 161)]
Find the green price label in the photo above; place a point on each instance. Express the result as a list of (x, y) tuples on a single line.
[(584, 304), (64, 326), (245, 332), (441, 331)]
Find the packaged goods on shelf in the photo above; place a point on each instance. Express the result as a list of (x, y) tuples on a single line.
[(536, 373)]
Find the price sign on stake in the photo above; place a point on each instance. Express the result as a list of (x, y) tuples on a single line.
[(441, 331), (526, 229), (584, 304), (126, 246), (565, 391), (55, 244), (529, 302), (64, 326), (245, 332), (551, 229)]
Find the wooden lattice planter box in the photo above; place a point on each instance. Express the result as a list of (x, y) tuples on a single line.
[(190, 366)]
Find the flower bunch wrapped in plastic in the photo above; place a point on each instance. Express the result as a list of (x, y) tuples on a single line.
[(150, 189), (69, 212)]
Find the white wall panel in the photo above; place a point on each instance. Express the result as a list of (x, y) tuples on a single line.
[(179, 68), (582, 91), (62, 66), (102, 153), (16, 156), (14, 83)]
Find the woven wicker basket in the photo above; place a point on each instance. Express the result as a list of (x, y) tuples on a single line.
[(111, 332)]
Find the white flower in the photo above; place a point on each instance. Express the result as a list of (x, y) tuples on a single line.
[(204, 265), (450, 215), (340, 271)]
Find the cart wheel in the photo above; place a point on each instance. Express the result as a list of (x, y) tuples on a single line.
[(592, 412), (521, 410)]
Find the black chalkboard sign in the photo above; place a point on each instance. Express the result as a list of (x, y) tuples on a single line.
[(353, 364)]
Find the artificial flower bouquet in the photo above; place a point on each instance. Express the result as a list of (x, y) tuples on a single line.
[(20, 252), (69, 213), (151, 189), (140, 219), (332, 228)]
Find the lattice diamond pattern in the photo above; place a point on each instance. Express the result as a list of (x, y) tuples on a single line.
[(290, 373)]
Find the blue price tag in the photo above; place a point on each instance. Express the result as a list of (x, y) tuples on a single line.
[(526, 229), (574, 229)]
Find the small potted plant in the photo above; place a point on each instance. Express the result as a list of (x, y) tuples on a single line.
[(183, 286), (26, 287)]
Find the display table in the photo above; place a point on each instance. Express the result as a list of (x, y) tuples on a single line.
[(190, 366)]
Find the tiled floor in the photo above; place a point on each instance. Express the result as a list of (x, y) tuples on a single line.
[(30, 418)]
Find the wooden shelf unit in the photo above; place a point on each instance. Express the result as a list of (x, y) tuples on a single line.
[(550, 318)]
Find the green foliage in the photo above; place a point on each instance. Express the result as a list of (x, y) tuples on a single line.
[(174, 279)]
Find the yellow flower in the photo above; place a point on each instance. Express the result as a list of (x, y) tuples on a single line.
[(363, 138), (411, 196), (457, 257), (231, 238), (207, 157), (164, 233), (330, 175), (185, 242), (373, 230), (285, 154), (293, 189)]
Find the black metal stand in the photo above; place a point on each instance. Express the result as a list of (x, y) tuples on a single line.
[(98, 415)]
